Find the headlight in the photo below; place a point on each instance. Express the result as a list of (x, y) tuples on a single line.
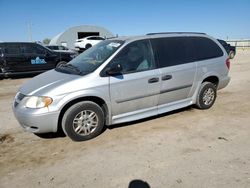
[(38, 102)]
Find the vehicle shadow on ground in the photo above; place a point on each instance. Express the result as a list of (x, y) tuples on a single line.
[(60, 133), (189, 108)]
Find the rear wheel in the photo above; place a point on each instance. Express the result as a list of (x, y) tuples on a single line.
[(206, 96), (83, 121)]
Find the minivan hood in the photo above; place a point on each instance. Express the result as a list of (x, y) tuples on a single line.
[(43, 83)]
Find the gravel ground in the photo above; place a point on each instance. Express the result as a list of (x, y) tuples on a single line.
[(184, 148)]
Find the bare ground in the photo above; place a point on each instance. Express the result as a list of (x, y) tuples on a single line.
[(185, 148)]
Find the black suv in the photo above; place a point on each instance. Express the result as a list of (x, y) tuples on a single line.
[(231, 50), (28, 58)]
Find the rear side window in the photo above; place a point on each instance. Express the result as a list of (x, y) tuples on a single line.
[(173, 51), (206, 48), (32, 49), (99, 38), (60, 48), (12, 49), (27, 48)]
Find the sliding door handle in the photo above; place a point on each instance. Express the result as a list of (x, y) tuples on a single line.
[(166, 77), (153, 80)]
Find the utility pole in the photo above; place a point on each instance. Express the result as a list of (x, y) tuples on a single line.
[(29, 31)]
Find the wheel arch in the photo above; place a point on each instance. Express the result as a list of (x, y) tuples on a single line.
[(94, 99), (60, 62), (212, 79)]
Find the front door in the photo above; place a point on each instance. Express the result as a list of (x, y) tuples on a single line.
[(134, 93)]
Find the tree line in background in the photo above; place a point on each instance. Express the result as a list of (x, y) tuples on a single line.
[(46, 41)]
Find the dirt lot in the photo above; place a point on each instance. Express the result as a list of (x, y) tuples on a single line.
[(186, 148)]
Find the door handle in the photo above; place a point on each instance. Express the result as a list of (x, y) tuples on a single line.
[(166, 77), (153, 80)]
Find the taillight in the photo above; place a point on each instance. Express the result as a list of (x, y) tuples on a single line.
[(228, 63)]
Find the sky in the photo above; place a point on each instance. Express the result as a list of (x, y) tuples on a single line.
[(225, 19)]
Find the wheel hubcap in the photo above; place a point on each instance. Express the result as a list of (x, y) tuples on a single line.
[(208, 96), (85, 122)]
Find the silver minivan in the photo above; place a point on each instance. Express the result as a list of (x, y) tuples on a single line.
[(124, 79)]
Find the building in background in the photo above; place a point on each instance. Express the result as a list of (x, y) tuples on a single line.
[(68, 37)]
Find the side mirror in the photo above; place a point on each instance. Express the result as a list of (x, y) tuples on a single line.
[(114, 69)]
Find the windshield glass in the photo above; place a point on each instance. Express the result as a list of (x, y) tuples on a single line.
[(91, 59)]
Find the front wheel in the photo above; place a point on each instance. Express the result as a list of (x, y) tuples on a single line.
[(83, 121), (61, 63), (206, 96)]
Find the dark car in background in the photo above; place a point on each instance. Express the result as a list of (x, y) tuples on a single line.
[(18, 58), (58, 48), (231, 50)]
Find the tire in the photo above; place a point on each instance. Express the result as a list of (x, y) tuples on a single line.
[(206, 96), (60, 63), (77, 126), (231, 54), (88, 46)]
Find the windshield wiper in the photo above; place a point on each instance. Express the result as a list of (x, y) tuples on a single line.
[(67, 68)]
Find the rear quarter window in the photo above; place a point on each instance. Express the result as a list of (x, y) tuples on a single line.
[(205, 48)]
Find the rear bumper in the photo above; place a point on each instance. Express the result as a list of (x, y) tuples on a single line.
[(224, 82)]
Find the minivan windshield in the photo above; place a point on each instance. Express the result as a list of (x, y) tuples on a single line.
[(91, 59)]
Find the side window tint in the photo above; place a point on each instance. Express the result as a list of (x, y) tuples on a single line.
[(135, 57), (99, 38), (206, 48), (173, 51), (39, 50), (12, 49), (52, 47), (27, 48), (32, 49)]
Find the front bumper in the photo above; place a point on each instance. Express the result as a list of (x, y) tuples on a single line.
[(36, 120)]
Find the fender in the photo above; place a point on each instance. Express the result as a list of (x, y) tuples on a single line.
[(66, 99), (199, 81)]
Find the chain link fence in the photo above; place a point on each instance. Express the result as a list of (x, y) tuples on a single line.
[(241, 44)]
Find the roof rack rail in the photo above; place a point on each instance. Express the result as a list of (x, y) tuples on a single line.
[(176, 33)]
